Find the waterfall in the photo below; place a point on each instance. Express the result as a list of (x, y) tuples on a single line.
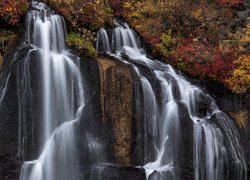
[(62, 98), (217, 153), (184, 136)]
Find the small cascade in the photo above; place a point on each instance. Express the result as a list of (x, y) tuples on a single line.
[(168, 102), (102, 43), (63, 97)]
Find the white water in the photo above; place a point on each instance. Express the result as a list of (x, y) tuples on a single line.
[(62, 95), (161, 116)]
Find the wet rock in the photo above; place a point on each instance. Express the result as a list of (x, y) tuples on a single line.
[(161, 176), (9, 132), (12, 125), (124, 56), (122, 173), (203, 103), (185, 156), (243, 15)]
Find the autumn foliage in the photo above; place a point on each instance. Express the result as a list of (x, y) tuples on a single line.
[(193, 35), (229, 2), (203, 60), (239, 82), (12, 10), (86, 13)]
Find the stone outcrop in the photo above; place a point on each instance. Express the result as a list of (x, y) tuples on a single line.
[(116, 101), (122, 173)]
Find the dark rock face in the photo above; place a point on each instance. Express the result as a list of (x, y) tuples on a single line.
[(137, 143), (19, 111), (186, 170), (9, 159), (122, 173), (12, 115), (116, 100)]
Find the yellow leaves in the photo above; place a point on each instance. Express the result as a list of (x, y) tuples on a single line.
[(246, 35), (136, 15), (9, 9), (167, 45), (241, 38), (239, 82), (240, 117), (167, 38), (198, 14)]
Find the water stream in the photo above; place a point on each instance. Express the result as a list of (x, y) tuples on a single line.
[(216, 148), (183, 128), (62, 96)]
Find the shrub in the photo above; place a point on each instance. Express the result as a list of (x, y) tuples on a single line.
[(168, 43), (239, 82), (12, 10), (229, 2), (203, 60), (84, 45)]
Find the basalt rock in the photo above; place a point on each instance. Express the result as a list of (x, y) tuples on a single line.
[(19, 111), (116, 102), (122, 173)]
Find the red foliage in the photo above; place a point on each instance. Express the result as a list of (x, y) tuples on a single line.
[(12, 10), (204, 61), (150, 38), (229, 2), (117, 7)]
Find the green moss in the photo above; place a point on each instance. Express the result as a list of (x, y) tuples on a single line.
[(168, 44), (84, 45)]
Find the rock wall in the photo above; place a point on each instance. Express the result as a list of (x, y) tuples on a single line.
[(19, 112), (116, 100)]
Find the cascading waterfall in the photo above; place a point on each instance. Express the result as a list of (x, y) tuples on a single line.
[(54, 143), (217, 153), (62, 98)]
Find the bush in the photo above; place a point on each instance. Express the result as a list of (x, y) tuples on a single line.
[(229, 2), (239, 82), (84, 45), (167, 45), (12, 10), (203, 60)]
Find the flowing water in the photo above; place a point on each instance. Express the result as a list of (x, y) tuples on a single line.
[(217, 153), (62, 95), (180, 121)]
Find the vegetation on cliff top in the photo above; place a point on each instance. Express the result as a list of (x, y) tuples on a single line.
[(82, 43), (205, 38)]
